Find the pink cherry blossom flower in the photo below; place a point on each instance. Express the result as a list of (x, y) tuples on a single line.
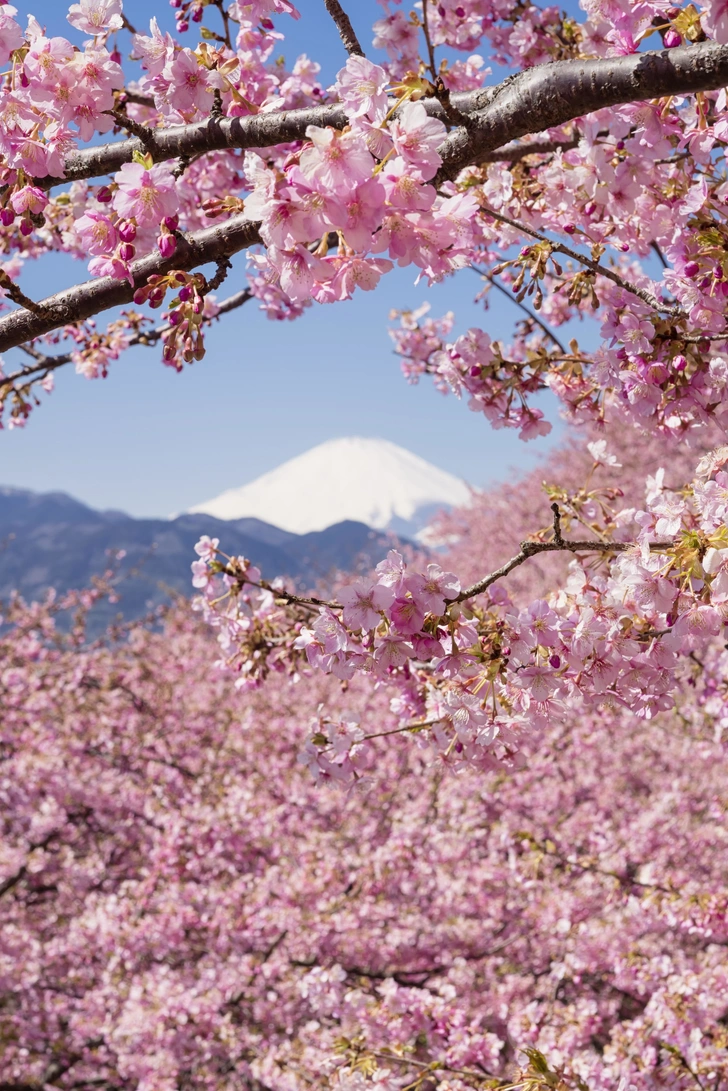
[(363, 604), (96, 233), (361, 86), (29, 199), (364, 209), (392, 652), (417, 137), (431, 590), (356, 272), (206, 548), (190, 81), (11, 36), (146, 195), (598, 451), (407, 615), (336, 160), (96, 16), (299, 271), (392, 570)]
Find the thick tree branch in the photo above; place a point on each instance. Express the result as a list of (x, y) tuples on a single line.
[(344, 27), (551, 94), (76, 304), (534, 100)]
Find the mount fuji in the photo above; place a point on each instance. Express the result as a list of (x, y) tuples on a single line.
[(369, 481)]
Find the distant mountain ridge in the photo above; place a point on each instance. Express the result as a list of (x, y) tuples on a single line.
[(52, 540), (370, 481)]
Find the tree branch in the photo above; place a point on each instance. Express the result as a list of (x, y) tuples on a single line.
[(594, 266), (548, 95), (344, 27), (46, 364), (87, 299), (534, 100), (531, 549)]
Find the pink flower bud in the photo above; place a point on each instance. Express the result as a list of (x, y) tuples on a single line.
[(116, 56), (26, 227), (197, 16), (126, 251), (183, 25), (167, 245), (555, 661), (171, 222), (127, 231), (624, 247), (691, 268), (175, 318), (7, 216), (679, 363), (474, 371), (671, 38), (185, 293), (569, 228), (104, 195)]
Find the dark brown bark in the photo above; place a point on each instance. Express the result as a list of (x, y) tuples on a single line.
[(552, 94), (536, 99), (530, 102), (344, 27), (93, 296)]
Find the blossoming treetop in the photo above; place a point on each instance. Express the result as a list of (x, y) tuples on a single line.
[(589, 182)]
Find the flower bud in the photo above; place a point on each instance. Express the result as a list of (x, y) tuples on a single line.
[(104, 195), (569, 228), (691, 268), (185, 293), (7, 216), (680, 362), (126, 251), (26, 227), (671, 38), (555, 662), (167, 245), (183, 25), (127, 231), (171, 222)]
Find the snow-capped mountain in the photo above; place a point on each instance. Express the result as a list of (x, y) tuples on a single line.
[(371, 481)]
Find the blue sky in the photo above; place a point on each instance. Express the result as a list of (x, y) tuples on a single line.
[(151, 442)]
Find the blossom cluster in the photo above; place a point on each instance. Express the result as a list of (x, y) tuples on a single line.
[(183, 905), (574, 227), (474, 671)]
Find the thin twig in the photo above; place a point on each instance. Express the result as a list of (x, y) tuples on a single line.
[(47, 364), (141, 132), (428, 40), (512, 153), (531, 549), (521, 306), (344, 27), (594, 266)]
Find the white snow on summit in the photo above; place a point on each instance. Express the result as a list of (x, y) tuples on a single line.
[(369, 480)]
